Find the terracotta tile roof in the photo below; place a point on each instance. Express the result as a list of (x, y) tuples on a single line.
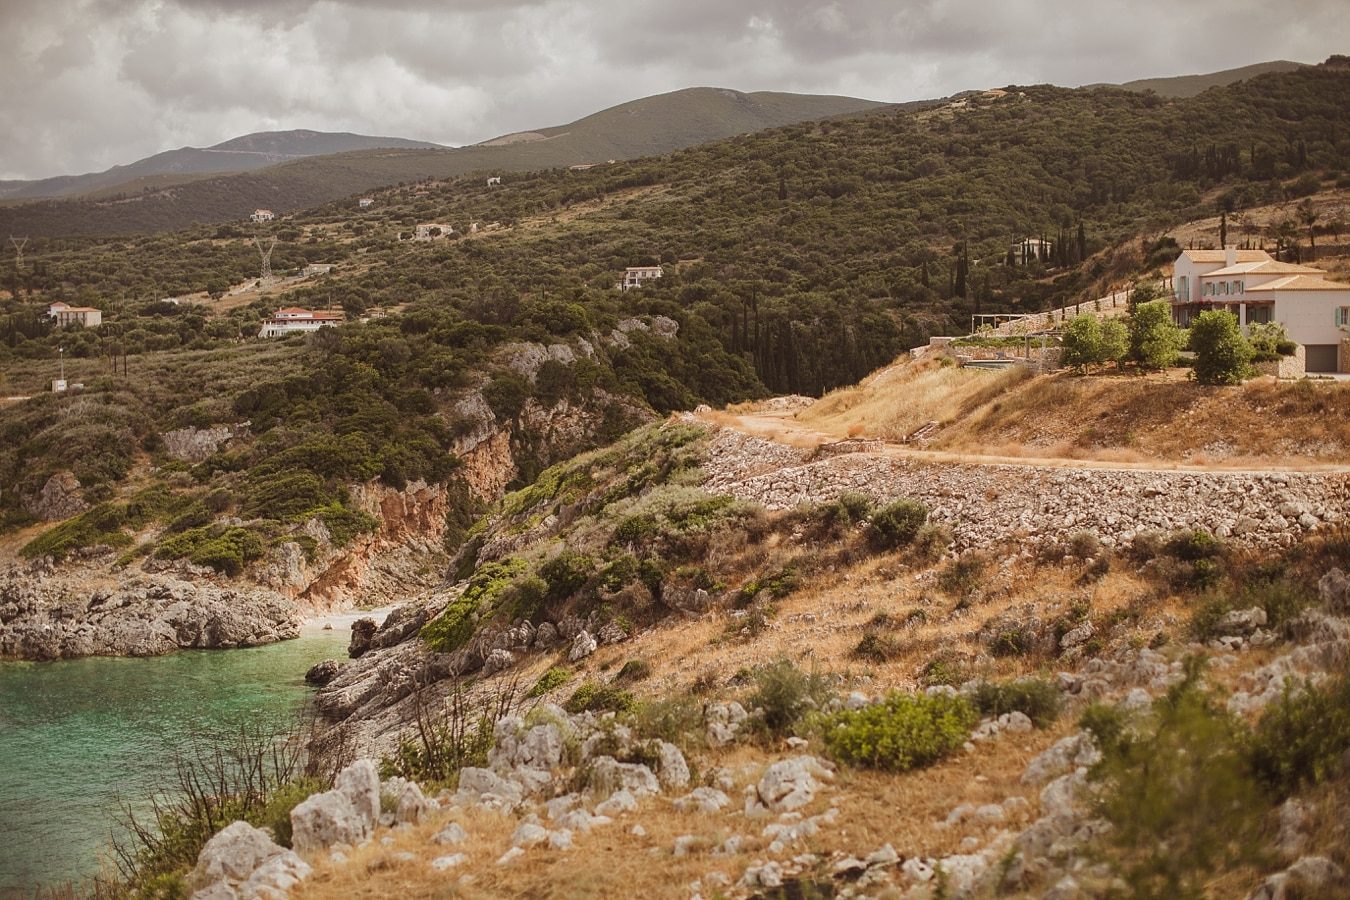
[(1218, 256), (1266, 267), (1301, 283)]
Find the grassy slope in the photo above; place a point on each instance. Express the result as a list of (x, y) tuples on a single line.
[(1123, 418)]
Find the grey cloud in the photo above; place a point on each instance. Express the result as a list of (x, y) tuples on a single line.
[(91, 83)]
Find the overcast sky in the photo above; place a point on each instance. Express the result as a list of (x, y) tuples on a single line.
[(87, 84)]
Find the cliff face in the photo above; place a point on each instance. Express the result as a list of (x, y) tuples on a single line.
[(399, 558)]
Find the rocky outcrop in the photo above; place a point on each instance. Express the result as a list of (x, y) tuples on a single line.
[(243, 863), (194, 445), (60, 498), (46, 614), (379, 567)]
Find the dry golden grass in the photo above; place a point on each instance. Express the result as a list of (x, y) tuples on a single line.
[(1161, 420)]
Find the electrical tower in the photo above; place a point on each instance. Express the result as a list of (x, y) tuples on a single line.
[(18, 251), (266, 258)]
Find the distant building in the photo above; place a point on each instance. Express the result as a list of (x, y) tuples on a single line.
[(637, 276), (63, 314), (430, 231), (262, 215), (1257, 288), (365, 202), (1029, 250), (316, 269), (294, 319)]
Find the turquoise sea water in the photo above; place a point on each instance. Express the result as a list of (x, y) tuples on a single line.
[(77, 735)]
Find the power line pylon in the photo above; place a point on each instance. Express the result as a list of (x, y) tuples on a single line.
[(266, 259), (18, 251)]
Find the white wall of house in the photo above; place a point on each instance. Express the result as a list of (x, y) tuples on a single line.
[(1310, 316)]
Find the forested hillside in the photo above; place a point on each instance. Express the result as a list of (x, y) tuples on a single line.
[(797, 259), (651, 125)]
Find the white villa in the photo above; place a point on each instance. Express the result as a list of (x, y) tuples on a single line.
[(313, 269), (262, 215), (294, 319), (1255, 287), (636, 276), (65, 314), (365, 202)]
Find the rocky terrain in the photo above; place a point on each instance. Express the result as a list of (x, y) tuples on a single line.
[(59, 614), (730, 815), (990, 503)]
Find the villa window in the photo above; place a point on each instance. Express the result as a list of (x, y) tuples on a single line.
[(1342, 316)]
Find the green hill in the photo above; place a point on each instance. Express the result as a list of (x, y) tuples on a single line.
[(241, 154), (649, 126), (1191, 85)]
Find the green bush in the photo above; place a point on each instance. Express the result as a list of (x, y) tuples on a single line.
[(1036, 698), (1222, 354), (452, 628), (784, 695), (1180, 796), (594, 697), (678, 720), (633, 671), (963, 576), (1155, 339), (878, 646), (1194, 545), (1281, 598), (930, 542), (902, 732), (896, 524), (227, 549), (1107, 723), (554, 677), (565, 574), (777, 586), (1304, 738)]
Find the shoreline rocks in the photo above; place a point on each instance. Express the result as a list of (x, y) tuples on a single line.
[(48, 616)]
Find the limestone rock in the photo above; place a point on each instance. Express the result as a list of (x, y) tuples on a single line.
[(412, 805), (363, 630), (583, 645), (608, 775), (787, 785), (321, 673), (242, 861), (59, 498), (345, 815), (672, 770)]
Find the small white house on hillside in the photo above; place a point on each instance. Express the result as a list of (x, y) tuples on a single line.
[(295, 319), (637, 276), (1257, 288), (262, 215), (63, 314), (365, 202)]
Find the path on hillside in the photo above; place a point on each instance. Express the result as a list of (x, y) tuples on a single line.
[(783, 428)]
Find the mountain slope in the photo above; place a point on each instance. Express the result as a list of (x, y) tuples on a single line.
[(644, 127), (241, 154), (1190, 85)]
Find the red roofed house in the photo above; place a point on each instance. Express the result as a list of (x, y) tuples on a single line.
[(294, 319), (1255, 287), (65, 314)]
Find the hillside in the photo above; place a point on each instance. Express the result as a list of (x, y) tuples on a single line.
[(1181, 86), (656, 681), (653, 125), (241, 154)]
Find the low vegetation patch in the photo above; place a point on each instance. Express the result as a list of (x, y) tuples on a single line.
[(784, 696), (1037, 699), (902, 732)]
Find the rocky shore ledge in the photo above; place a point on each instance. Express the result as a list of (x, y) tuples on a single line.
[(47, 614)]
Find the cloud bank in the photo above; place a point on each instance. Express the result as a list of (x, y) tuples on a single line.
[(87, 84)]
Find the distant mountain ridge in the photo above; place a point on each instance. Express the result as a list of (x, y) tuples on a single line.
[(1180, 86), (645, 127), (241, 154)]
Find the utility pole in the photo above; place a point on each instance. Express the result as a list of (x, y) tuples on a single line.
[(18, 251)]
